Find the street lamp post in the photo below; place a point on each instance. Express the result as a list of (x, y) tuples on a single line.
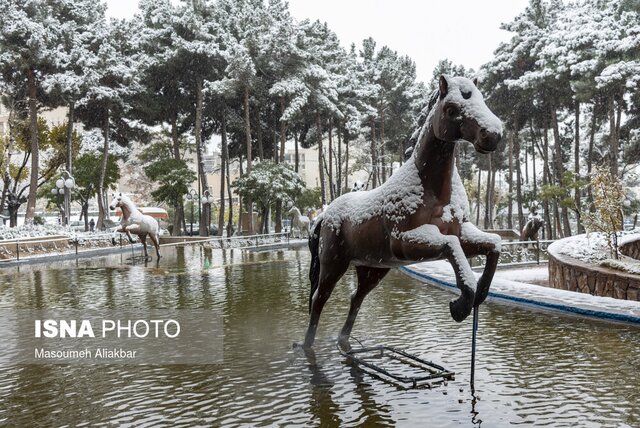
[(64, 187), (207, 199), (192, 196)]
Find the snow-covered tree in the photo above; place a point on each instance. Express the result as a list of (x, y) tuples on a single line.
[(30, 36), (268, 183), (106, 105)]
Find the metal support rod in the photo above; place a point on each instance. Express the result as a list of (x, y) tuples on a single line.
[(18, 251), (473, 347)]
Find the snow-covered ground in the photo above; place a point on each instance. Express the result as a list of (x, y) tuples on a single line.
[(513, 287), (30, 231)]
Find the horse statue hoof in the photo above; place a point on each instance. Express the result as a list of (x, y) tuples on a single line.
[(458, 310), (343, 344)]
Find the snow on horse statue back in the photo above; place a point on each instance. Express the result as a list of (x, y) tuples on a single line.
[(133, 221), (418, 214)]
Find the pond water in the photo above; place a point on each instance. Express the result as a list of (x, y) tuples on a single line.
[(532, 368)]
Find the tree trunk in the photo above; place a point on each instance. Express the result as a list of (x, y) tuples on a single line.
[(510, 198), (576, 168), (297, 155), (280, 157), (487, 199), (68, 162), (478, 197), (13, 214), (259, 138), (32, 90), (204, 185), (8, 152), (178, 218), (613, 139), (331, 188), (240, 207), (339, 166), (247, 136), (264, 224), (102, 209), (592, 138), (346, 163), (526, 165), (516, 152), (566, 227), (223, 167), (546, 178), (283, 131), (320, 164), (533, 167), (374, 159), (383, 162), (229, 194), (85, 214)]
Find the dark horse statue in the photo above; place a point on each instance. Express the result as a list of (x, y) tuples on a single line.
[(531, 229), (418, 214)]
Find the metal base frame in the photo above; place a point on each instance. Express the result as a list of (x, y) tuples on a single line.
[(427, 374)]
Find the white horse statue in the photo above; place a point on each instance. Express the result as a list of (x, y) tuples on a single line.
[(358, 186), (299, 221), (133, 221)]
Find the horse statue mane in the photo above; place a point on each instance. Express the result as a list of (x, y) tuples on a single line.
[(418, 214), (422, 117)]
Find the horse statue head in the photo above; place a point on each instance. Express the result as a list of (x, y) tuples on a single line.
[(457, 112), (118, 200), (293, 210), (357, 186)]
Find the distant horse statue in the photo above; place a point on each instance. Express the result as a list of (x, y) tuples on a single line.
[(418, 214), (531, 228), (299, 221), (133, 221), (358, 186)]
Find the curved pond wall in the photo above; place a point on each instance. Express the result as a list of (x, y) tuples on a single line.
[(631, 249), (567, 273)]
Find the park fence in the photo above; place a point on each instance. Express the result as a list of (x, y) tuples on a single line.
[(516, 253)]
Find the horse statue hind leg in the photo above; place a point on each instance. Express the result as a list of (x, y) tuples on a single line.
[(324, 275), (155, 239), (368, 279)]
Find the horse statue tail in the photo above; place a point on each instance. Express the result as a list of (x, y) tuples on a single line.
[(314, 270)]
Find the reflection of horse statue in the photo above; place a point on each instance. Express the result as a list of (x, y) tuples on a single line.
[(531, 228), (299, 221), (418, 214), (133, 221)]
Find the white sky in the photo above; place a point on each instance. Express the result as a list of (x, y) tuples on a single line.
[(464, 31)]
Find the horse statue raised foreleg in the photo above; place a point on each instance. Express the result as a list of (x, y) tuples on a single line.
[(419, 214)]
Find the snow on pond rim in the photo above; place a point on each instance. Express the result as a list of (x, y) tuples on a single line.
[(534, 296)]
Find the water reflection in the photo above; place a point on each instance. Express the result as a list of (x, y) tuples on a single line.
[(532, 368)]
